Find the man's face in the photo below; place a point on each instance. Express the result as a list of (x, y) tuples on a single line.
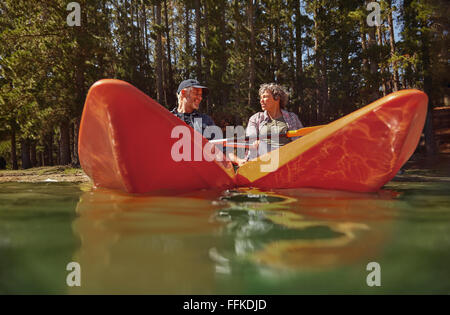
[(193, 98), (268, 102)]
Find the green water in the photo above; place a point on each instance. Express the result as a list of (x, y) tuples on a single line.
[(229, 242)]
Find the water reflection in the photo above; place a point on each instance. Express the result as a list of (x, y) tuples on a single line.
[(182, 244), (145, 244), (306, 228)]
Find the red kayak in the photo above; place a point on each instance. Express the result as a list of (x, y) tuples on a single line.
[(125, 143)]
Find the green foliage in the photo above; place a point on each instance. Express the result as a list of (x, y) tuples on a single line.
[(320, 50), (5, 149)]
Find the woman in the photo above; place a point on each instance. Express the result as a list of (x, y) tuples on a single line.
[(274, 119)]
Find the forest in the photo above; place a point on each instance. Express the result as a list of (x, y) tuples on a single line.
[(323, 51)]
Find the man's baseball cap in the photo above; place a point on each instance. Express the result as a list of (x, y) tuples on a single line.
[(190, 83)]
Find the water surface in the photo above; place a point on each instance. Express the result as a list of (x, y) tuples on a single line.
[(241, 241)]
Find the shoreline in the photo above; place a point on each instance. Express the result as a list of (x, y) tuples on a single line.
[(416, 169), (59, 173)]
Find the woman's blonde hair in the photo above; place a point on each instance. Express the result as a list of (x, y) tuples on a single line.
[(278, 92)]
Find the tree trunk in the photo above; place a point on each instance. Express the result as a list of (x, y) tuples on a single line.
[(33, 158), (380, 45), (76, 130), (324, 88), (396, 81), (317, 65), (373, 63), (187, 39), (64, 143), (251, 57), (237, 49), (278, 72), (404, 81), (72, 138), (298, 53), (198, 43), (389, 78), (48, 149), (321, 68), (292, 70), (271, 52), (170, 83), (40, 158), (79, 74), (14, 164), (224, 93), (159, 69), (58, 155), (175, 54), (430, 143), (132, 39), (145, 35), (207, 51), (25, 153), (365, 61)]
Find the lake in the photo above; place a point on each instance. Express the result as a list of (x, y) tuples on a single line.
[(243, 241)]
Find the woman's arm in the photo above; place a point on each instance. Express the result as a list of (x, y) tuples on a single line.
[(296, 124)]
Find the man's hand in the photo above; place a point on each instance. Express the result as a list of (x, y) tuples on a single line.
[(236, 160)]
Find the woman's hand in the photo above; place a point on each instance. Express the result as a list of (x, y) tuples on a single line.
[(255, 144)]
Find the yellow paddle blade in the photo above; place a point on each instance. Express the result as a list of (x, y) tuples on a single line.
[(302, 132)]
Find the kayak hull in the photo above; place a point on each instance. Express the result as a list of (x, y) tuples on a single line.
[(126, 142), (359, 152)]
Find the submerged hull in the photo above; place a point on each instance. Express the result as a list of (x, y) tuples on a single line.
[(126, 143)]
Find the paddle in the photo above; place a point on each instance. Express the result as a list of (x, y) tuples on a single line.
[(302, 131), (289, 134), (237, 145)]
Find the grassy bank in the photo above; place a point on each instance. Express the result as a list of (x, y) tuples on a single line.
[(45, 174)]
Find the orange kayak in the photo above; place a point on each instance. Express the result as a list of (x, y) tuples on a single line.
[(126, 142)]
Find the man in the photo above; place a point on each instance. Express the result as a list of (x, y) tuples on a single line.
[(189, 95)]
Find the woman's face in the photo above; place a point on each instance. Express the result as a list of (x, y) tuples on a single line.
[(268, 103)]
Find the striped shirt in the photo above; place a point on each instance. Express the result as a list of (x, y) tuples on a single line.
[(260, 119)]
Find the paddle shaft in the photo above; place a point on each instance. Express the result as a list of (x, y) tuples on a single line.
[(237, 145), (289, 134)]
